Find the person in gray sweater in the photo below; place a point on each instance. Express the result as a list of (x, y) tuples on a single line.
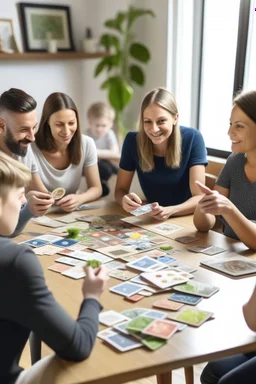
[(25, 301)]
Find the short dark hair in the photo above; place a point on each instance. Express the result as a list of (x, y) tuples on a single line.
[(44, 139), (16, 100)]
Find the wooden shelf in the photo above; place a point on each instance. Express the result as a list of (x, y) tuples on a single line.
[(26, 56)]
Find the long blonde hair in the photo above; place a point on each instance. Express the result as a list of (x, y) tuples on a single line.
[(166, 100)]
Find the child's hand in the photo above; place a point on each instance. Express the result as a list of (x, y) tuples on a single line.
[(131, 201)]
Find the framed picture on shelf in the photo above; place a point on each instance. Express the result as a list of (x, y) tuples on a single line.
[(8, 42), (43, 22)]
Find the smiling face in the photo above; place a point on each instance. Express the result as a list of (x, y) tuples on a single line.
[(158, 124), (18, 130), (63, 125), (242, 132), (10, 210)]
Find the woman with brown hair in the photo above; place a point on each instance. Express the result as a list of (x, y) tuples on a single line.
[(168, 159), (64, 155)]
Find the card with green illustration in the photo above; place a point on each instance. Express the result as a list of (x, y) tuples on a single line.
[(134, 312), (153, 343), (138, 323), (197, 288), (191, 316)]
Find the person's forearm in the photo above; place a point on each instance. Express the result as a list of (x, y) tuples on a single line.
[(203, 221), (186, 208), (91, 194), (106, 154), (243, 228), (119, 194), (249, 310)]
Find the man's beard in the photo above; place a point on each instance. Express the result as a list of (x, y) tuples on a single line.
[(14, 145)]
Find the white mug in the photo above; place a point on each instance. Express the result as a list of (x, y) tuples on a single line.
[(90, 45), (52, 46)]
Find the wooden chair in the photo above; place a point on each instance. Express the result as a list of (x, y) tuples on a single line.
[(210, 180)]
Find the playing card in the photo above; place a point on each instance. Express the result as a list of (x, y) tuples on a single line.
[(59, 267), (231, 264), (138, 323), (167, 304), (197, 288), (186, 239), (64, 243), (146, 293), (154, 253), (138, 280), (165, 229), (112, 265), (142, 210), (164, 279), (198, 248), (69, 261), (44, 220), (35, 242), (49, 238), (121, 327), (135, 298), (111, 317), (117, 251), (153, 343), (132, 313), (191, 316), (163, 329), (105, 333), (185, 298), (70, 218), (146, 264), (47, 249), (122, 342), (155, 314), (75, 272), (213, 250), (166, 259), (126, 289), (122, 274), (58, 193)]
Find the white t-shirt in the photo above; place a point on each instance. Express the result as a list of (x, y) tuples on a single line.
[(70, 177), (28, 160), (105, 142)]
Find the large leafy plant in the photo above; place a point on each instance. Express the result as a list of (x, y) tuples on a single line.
[(121, 65)]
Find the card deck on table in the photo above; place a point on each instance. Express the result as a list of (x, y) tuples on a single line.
[(213, 250), (142, 210), (132, 313), (126, 289), (185, 298), (163, 329), (167, 304), (197, 288), (64, 243), (146, 264), (135, 298), (111, 317), (186, 239), (122, 342), (59, 267), (69, 261), (75, 272), (139, 323), (122, 274), (164, 279), (231, 264), (191, 316)]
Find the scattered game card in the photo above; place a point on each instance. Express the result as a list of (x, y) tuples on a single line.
[(122, 342), (153, 343), (117, 251), (198, 248), (59, 267), (122, 274), (114, 264), (213, 250), (121, 327), (197, 288), (142, 210), (154, 253), (165, 229), (70, 218), (164, 279), (146, 264), (69, 261), (138, 280), (126, 289), (49, 238), (135, 298), (47, 249), (138, 323), (186, 239), (135, 312), (105, 333), (75, 272), (179, 264), (64, 243), (231, 264), (155, 314), (111, 317), (84, 207), (191, 316), (163, 329), (166, 259), (58, 193), (146, 293), (167, 304), (185, 298), (35, 243), (44, 220)]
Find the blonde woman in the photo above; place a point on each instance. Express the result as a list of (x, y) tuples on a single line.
[(167, 158)]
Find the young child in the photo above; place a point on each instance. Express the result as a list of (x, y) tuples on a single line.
[(101, 118), (30, 306)]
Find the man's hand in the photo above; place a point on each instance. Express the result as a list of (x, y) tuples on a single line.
[(39, 202)]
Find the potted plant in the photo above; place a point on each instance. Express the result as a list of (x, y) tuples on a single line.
[(121, 65)]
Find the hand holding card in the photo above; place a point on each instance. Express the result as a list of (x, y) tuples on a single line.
[(94, 282)]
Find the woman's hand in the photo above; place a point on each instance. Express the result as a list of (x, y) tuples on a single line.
[(131, 201), (69, 202), (160, 213)]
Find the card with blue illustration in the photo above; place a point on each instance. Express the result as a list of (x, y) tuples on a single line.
[(64, 243), (35, 242), (146, 264), (126, 289), (185, 298)]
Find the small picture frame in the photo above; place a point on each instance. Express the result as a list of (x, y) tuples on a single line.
[(8, 42), (39, 21)]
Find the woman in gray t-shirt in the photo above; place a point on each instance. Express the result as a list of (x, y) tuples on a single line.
[(234, 195), (64, 155)]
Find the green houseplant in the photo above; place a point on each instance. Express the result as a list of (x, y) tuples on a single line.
[(121, 65)]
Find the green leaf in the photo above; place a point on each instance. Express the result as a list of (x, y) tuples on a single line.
[(137, 75), (134, 13), (120, 93), (140, 52), (102, 64), (115, 59), (117, 22), (108, 40)]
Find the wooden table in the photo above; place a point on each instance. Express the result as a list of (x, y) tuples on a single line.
[(224, 335)]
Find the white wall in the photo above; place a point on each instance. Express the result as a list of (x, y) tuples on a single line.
[(75, 77)]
